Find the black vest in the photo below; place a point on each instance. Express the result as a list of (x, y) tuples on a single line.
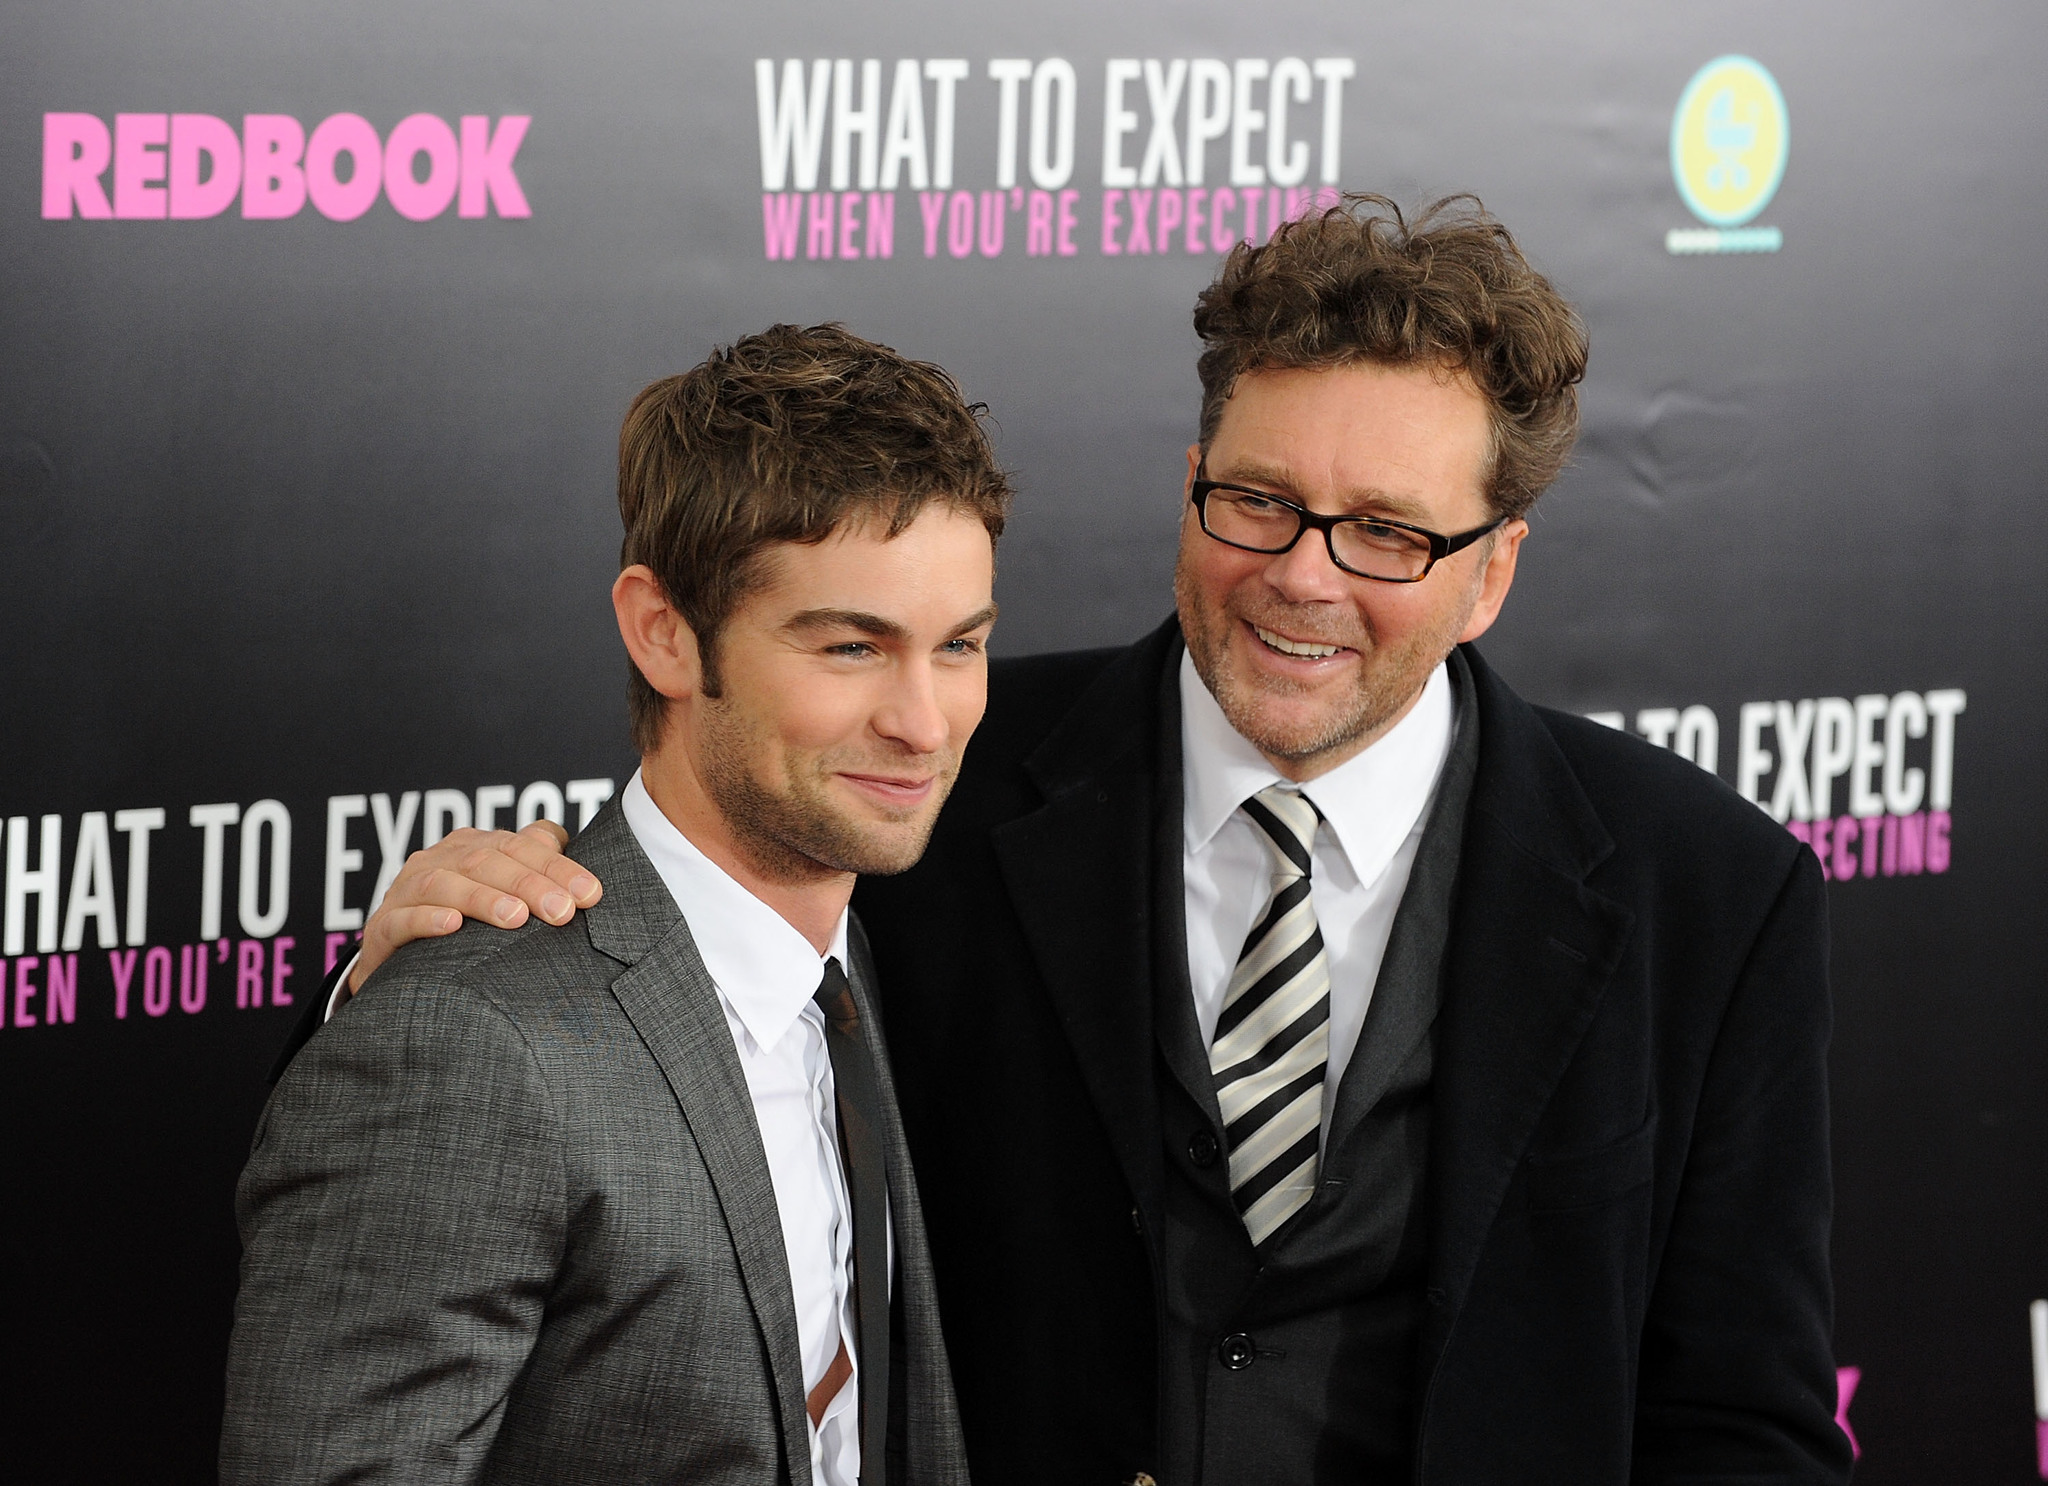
[(1301, 1371)]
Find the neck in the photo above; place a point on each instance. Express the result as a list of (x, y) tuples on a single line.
[(812, 902)]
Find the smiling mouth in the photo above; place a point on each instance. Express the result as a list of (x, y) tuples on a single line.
[(1306, 649), (907, 791)]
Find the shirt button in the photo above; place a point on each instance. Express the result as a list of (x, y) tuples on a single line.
[(1237, 1352), (1203, 1150)]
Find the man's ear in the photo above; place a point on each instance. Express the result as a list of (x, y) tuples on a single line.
[(1495, 579), (660, 640)]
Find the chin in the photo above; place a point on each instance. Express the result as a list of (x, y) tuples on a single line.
[(880, 853), (1302, 741), (1288, 719), (888, 863), (869, 842)]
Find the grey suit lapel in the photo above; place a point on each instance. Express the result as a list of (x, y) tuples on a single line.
[(1407, 993), (673, 1004)]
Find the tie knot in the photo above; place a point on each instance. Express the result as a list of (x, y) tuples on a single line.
[(835, 997), (1288, 819)]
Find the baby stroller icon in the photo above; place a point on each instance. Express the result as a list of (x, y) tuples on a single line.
[(1730, 140)]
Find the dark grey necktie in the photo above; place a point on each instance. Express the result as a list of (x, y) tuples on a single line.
[(867, 1179)]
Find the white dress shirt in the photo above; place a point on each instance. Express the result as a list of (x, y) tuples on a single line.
[(1374, 808), (767, 973)]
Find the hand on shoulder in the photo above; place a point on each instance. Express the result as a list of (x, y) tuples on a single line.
[(494, 877)]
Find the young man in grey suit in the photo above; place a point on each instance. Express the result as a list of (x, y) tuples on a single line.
[(628, 1199)]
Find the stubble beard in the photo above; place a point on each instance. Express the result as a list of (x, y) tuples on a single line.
[(1387, 682), (798, 833)]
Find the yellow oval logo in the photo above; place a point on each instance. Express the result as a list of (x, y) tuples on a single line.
[(1729, 141)]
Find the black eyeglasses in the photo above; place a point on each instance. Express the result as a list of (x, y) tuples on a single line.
[(1364, 546)]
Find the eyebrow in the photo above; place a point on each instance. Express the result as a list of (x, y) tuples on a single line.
[(974, 621), (875, 625), (857, 620), (1356, 501)]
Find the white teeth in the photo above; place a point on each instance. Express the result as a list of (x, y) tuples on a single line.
[(1295, 647)]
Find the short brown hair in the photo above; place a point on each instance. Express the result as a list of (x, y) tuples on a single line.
[(786, 436), (1361, 283)]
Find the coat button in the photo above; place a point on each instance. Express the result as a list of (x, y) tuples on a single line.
[(1203, 1150), (1237, 1352)]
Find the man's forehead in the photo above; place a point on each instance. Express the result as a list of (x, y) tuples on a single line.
[(939, 535), (1365, 434), (1401, 500), (1369, 392), (865, 570)]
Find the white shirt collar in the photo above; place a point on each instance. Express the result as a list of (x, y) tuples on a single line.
[(1371, 802), (765, 969)]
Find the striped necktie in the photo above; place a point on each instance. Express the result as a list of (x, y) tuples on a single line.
[(1272, 1041)]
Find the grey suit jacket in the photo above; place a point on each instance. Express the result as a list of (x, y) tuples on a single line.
[(508, 1218)]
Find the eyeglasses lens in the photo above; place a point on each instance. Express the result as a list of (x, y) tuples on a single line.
[(1381, 551), (1368, 547)]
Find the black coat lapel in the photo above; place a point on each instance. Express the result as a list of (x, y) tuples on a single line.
[(1531, 951), (1079, 872), (1179, 1029)]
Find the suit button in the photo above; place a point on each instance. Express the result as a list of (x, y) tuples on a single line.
[(1203, 1150), (1237, 1352)]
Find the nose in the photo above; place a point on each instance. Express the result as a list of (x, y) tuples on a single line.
[(1304, 574), (910, 713)]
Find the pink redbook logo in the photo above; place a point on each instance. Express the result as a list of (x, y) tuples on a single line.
[(194, 165)]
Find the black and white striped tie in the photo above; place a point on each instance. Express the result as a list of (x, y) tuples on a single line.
[(1272, 1041)]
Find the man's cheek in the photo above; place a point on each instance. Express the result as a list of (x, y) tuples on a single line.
[(829, 712)]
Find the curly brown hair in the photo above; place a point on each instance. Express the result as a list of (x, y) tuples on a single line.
[(786, 436), (1360, 282)]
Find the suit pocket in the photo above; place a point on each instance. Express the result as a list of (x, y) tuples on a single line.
[(1593, 1178)]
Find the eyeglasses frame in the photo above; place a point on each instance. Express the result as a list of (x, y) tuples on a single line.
[(1440, 546)]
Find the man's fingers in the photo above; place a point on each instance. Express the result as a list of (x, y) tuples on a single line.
[(539, 846), (493, 889), (583, 887), (395, 926), (535, 846), (553, 829), (495, 877), (480, 876)]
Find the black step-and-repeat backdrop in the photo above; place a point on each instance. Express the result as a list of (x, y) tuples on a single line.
[(319, 322)]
